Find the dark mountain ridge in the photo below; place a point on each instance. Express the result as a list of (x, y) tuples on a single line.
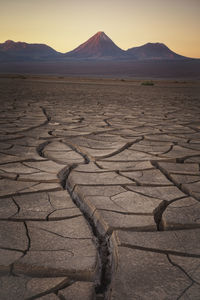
[(153, 51), (98, 47), (23, 51)]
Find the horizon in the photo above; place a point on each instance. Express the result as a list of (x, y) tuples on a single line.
[(176, 23)]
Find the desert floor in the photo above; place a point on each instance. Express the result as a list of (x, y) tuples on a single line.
[(99, 189)]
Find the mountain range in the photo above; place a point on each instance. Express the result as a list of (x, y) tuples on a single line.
[(98, 47)]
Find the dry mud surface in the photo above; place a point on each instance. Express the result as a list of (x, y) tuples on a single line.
[(99, 189)]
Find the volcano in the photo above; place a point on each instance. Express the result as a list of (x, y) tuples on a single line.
[(153, 51), (98, 46)]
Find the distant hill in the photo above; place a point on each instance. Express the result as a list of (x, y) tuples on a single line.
[(98, 46), (17, 51), (153, 51)]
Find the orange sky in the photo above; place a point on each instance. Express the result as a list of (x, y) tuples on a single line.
[(65, 24)]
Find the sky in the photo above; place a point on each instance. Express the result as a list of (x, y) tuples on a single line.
[(65, 24)]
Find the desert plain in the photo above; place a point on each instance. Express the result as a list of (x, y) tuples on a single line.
[(99, 188)]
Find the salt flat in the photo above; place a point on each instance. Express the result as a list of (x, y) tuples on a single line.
[(99, 189)]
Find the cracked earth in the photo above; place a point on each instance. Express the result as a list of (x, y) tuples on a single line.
[(99, 190)]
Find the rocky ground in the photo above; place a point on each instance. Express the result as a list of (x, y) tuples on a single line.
[(99, 190)]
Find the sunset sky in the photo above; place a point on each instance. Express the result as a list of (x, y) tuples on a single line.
[(65, 24)]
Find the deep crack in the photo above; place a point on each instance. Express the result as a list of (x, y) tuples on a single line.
[(101, 241)]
